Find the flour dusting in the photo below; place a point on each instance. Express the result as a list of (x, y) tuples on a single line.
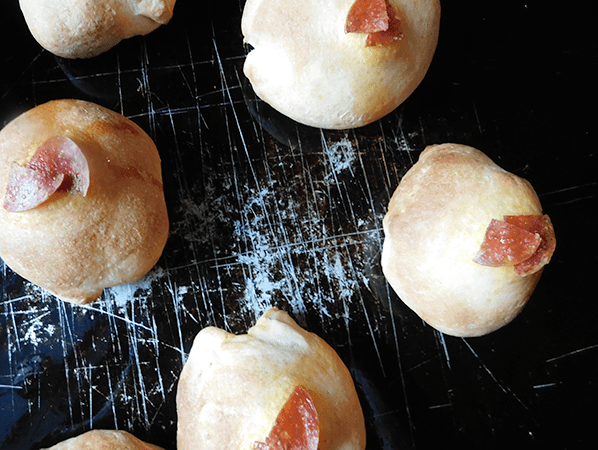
[(38, 332), (341, 155), (318, 268), (123, 294)]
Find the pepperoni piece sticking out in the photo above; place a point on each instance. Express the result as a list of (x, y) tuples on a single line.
[(367, 16), (297, 426), (394, 32), (377, 18), (526, 242), (541, 225), (28, 188), (57, 165), (506, 245)]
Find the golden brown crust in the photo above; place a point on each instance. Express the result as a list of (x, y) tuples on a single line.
[(306, 66), (435, 224), (83, 29), (233, 387), (75, 246), (104, 440)]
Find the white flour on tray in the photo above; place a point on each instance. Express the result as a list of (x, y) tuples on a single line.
[(277, 265)]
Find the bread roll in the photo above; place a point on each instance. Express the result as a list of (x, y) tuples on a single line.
[(436, 223), (75, 245), (307, 66), (232, 388), (83, 29), (104, 440)]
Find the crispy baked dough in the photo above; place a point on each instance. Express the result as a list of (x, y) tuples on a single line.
[(233, 387), (75, 246), (83, 29), (104, 440), (436, 221), (307, 67)]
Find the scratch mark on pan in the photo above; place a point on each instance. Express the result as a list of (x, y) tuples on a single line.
[(372, 335), (317, 241), (370, 196), (440, 337), (89, 307), (140, 382), (232, 104), (259, 198), (208, 307), (575, 200), (111, 390), (575, 352), (347, 317), (67, 332), (8, 386), (196, 95), (477, 118), (501, 385), (567, 189), (147, 90), (396, 342), (401, 371), (446, 405), (91, 389), (366, 315), (176, 301), (119, 83), (582, 192), (15, 329)]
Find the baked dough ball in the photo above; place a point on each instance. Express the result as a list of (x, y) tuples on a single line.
[(104, 440), (436, 228), (83, 29), (232, 388), (74, 244), (307, 66)]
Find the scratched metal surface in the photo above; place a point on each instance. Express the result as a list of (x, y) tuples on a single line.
[(265, 213)]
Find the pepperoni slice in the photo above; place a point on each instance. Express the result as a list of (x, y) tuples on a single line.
[(541, 225), (60, 154), (297, 426), (533, 223), (506, 244), (377, 18), (526, 242), (394, 32), (367, 16), (28, 188), (58, 164)]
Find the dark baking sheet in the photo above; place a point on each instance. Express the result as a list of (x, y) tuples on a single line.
[(265, 212)]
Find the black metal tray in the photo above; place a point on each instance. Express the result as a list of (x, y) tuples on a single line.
[(265, 212)]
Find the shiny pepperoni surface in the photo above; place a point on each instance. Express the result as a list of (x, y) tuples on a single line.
[(377, 18), (526, 242), (506, 244), (541, 225), (58, 164), (367, 16), (297, 426)]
